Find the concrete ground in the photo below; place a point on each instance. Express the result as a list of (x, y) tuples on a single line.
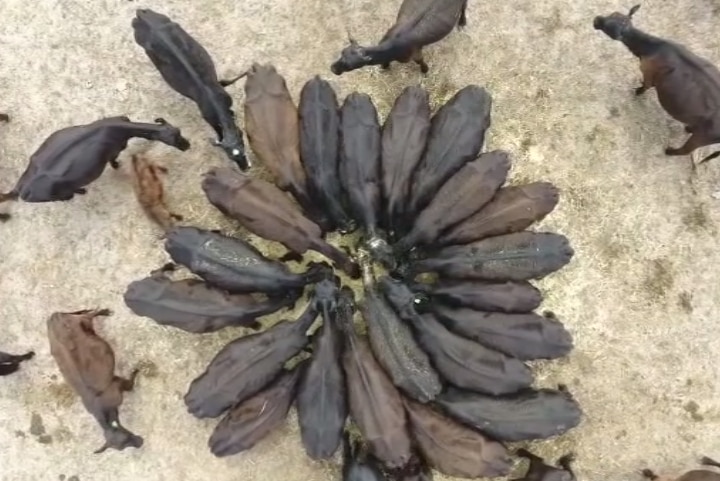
[(640, 296)]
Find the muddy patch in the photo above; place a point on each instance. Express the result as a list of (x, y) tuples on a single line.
[(659, 280), (693, 409), (62, 393), (685, 302), (526, 143), (441, 92), (148, 369), (696, 219), (37, 429)]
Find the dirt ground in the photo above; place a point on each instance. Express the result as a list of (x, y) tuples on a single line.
[(640, 295)]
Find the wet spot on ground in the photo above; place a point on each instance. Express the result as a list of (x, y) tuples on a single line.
[(660, 279)]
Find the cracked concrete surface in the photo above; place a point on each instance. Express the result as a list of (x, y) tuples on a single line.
[(640, 296)]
